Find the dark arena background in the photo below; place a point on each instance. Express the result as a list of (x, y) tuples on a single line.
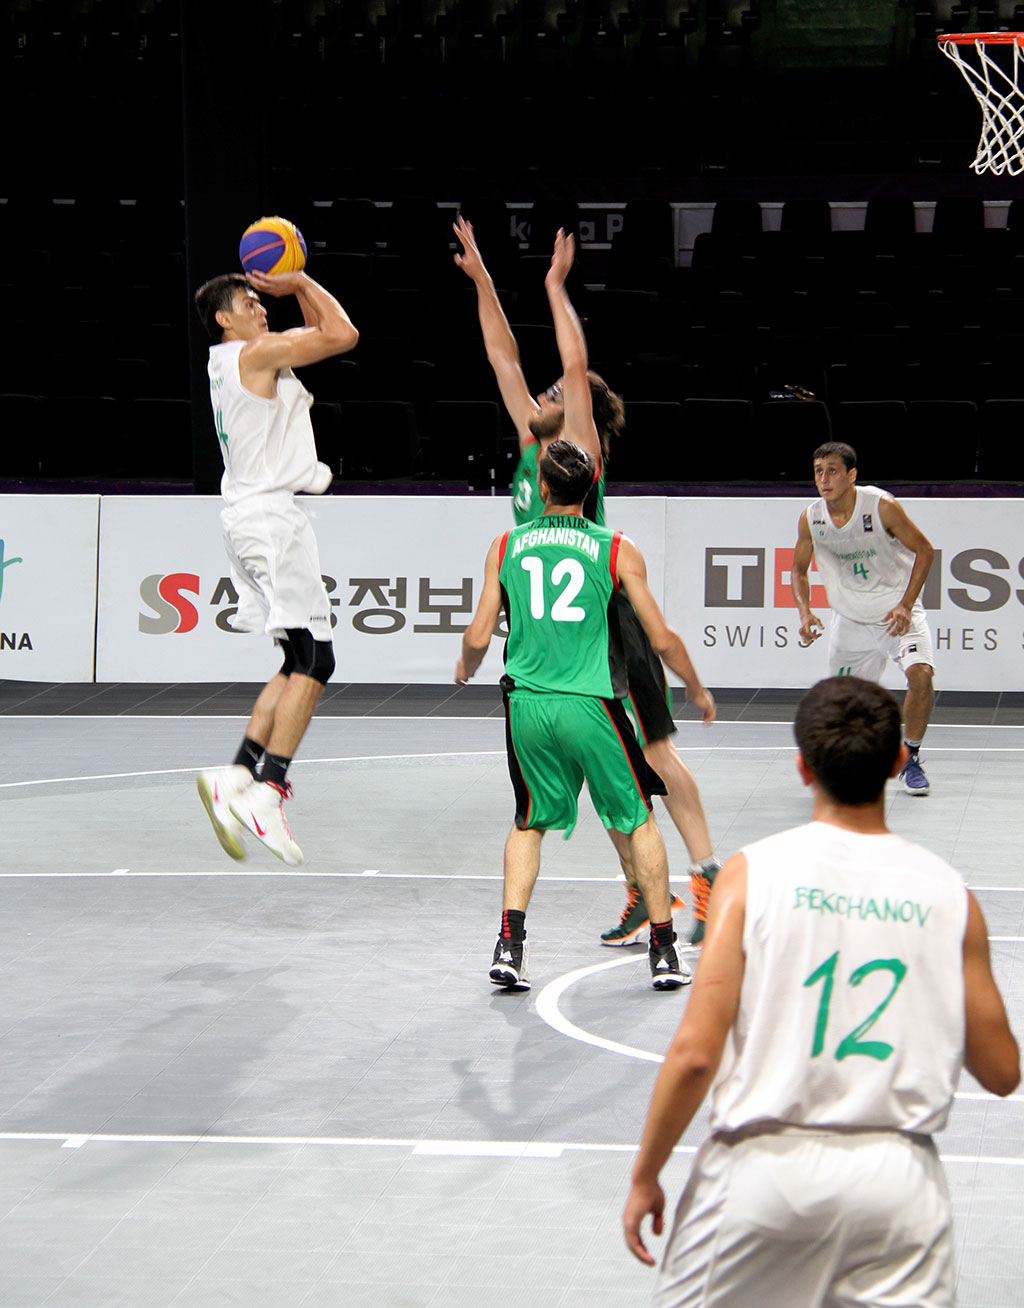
[(242, 1084)]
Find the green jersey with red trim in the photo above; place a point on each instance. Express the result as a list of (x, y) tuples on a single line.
[(526, 501), (558, 576)]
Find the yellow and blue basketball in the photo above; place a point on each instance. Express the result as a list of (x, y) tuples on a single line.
[(272, 245)]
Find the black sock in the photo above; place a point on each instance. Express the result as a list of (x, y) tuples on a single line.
[(273, 767), (513, 925), (913, 746), (662, 934), (249, 754)]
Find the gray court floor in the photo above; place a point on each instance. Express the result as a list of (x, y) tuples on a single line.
[(233, 1084)]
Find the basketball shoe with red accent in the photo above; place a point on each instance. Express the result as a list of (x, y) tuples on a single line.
[(508, 967), (668, 971), (217, 788), (260, 809)]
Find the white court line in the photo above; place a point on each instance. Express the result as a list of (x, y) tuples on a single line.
[(494, 877), (548, 1011), (439, 717), (468, 753), (170, 772), (418, 1148)]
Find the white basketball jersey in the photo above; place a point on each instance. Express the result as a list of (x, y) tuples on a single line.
[(267, 445), (852, 1005), (865, 570)]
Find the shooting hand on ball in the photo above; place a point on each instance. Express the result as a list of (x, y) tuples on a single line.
[(276, 284)]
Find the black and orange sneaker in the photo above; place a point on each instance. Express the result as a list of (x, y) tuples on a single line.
[(701, 879), (633, 920)]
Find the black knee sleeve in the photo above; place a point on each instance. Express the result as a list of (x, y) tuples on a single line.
[(311, 658), (288, 665)]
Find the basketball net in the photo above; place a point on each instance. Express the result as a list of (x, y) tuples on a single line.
[(997, 88)]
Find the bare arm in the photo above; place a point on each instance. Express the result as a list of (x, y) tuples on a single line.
[(991, 1056), (500, 344), (477, 635), (696, 1050), (810, 624), (896, 523), (665, 641), (328, 329), (572, 350)]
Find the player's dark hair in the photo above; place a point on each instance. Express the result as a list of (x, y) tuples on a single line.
[(841, 450), (217, 296), (848, 731), (568, 471), (609, 412)]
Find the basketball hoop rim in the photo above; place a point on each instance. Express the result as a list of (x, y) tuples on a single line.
[(981, 38)]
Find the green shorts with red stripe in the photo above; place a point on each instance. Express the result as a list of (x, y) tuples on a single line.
[(555, 742)]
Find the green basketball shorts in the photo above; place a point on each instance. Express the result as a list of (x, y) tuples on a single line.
[(555, 742)]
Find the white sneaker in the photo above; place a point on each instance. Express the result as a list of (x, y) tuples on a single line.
[(217, 788), (260, 808)]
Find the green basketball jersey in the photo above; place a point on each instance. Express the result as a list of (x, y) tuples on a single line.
[(558, 575), (526, 501)]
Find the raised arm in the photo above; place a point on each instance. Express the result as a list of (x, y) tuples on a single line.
[(500, 344), (477, 635), (328, 329), (696, 1050), (896, 523), (991, 1054), (810, 624), (572, 349), (665, 641)]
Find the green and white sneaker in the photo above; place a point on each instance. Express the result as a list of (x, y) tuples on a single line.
[(701, 879), (633, 920)]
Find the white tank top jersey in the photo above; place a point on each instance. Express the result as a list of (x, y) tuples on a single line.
[(865, 570), (267, 445), (851, 1010)]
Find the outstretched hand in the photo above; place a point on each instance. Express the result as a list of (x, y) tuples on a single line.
[(562, 258), (468, 259)]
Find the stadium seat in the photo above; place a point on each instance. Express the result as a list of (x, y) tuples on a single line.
[(651, 448), (878, 432), (465, 441), (943, 440), (1000, 450), (791, 430), (158, 438), (379, 440), (719, 442)]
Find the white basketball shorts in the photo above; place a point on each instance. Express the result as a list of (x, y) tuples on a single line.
[(862, 649), (275, 565), (801, 1219)]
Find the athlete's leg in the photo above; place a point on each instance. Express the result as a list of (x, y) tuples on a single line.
[(683, 797), (650, 863), (292, 713), (282, 714), (510, 963), (261, 724), (522, 864), (920, 698), (220, 787)]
